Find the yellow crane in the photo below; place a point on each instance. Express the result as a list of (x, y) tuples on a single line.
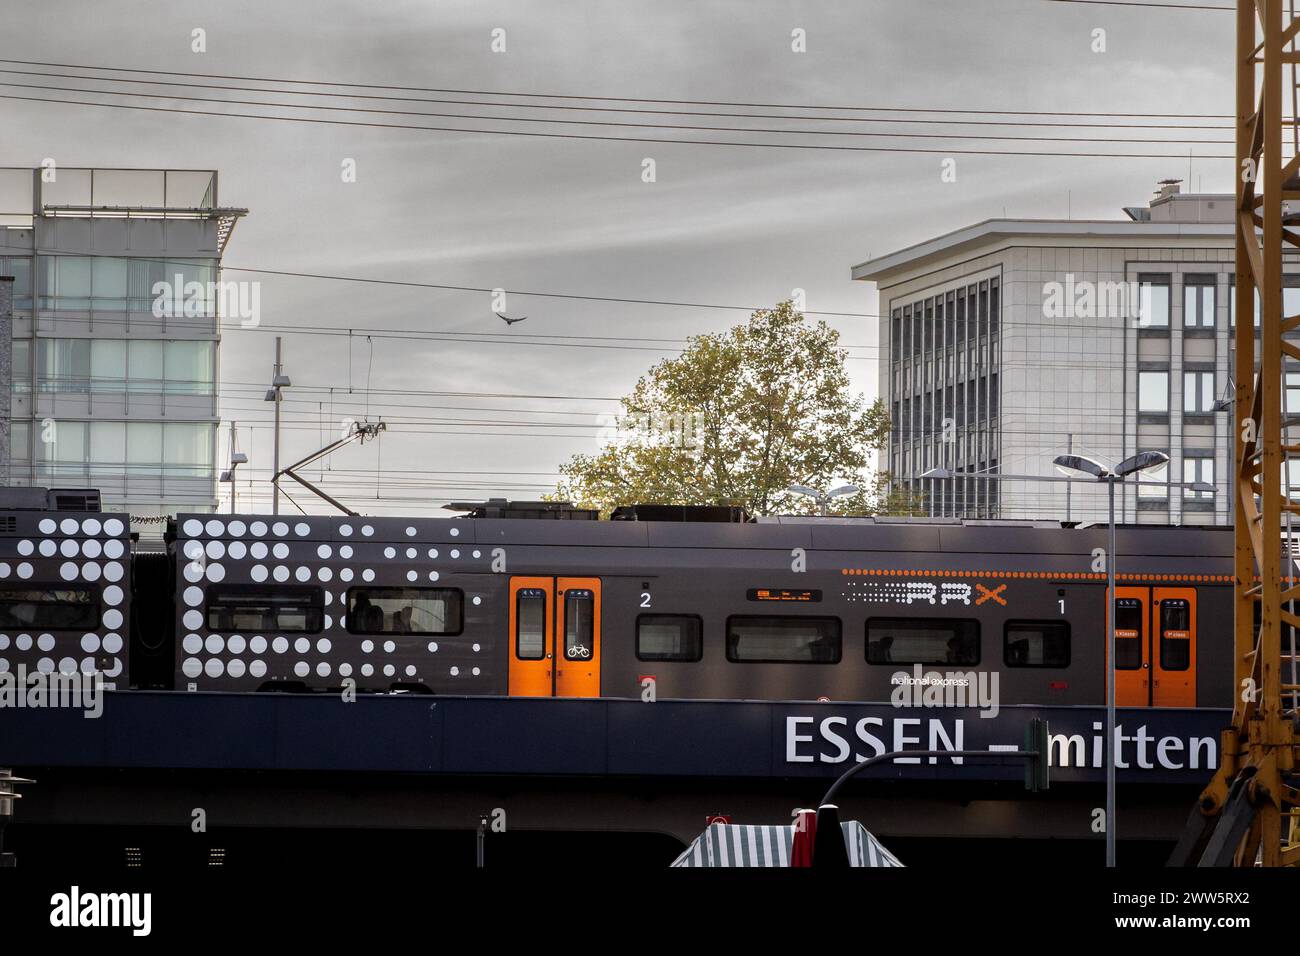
[(1247, 815)]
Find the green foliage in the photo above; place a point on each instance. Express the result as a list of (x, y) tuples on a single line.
[(736, 419)]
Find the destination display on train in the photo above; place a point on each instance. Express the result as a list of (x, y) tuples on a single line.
[(784, 595)]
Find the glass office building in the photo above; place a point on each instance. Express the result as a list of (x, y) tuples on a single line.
[(114, 377)]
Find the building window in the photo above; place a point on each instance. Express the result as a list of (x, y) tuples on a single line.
[(1198, 392), (423, 611), (1154, 482), (792, 640), (922, 641), (1290, 301), (117, 365), (1154, 309), (1293, 393), (1198, 303), (1153, 392), (1036, 644), (1232, 303), (669, 637), (109, 284), (283, 608), (1198, 469)]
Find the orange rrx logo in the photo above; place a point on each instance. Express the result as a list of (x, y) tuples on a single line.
[(995, 594)]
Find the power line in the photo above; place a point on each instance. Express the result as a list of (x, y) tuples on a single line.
[(613, 109), (612, 99), (612, 139), (1145, 3), (623, 124)]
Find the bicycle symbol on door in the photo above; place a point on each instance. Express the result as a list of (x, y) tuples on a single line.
[(579, 650)]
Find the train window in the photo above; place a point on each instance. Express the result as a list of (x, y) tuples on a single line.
[(287, 609), (922, 641), (669, 637), (377, 610), (579, 620), (1128, 634), (1175, 634), (530, 624), (1036, 644), (49, 607), (783, 640)]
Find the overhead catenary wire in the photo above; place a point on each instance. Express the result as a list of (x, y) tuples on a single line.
[(810, 117), (614, 99), (621, 124), (831, 147)]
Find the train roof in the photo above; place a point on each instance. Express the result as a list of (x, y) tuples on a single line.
[(782, 533)]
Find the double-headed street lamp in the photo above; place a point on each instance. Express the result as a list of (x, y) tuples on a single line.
[(823, 498), (1098, 472)]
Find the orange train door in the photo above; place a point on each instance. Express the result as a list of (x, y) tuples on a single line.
[(532, 672), (1132, 665), (577, 637), (1155, 647), (1173, 647), (554, 637)]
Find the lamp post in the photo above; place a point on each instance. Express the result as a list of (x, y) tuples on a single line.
[(823, 498), (278, 381), (1111, 476), (237, 458), (1139, 462)]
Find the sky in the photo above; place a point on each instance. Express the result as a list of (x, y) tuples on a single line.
[(719, 225)]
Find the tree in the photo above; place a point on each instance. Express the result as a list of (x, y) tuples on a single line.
[(736, 419)]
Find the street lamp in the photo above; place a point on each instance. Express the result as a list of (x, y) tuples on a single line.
[(1111, 476), (823, 498), (278, 381), (236, 459), (1139, 462)]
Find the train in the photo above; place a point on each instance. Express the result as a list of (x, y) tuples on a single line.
[(544, 599)]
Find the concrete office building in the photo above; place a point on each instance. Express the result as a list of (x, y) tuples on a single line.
[(114, 376), (1012, 341)]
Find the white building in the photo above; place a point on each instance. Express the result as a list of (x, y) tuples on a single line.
[(1012, 341), (110, 390)]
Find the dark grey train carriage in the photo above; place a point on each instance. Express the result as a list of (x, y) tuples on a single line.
[(65, 585), (516, 602)]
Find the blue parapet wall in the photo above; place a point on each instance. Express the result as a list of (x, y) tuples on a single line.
[(599, 737)]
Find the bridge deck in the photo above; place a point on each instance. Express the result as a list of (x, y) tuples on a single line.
[(599, 737)]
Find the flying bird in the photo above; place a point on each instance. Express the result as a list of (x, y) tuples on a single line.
[(507, 320)]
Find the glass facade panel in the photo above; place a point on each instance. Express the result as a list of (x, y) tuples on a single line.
[(108, 282), (107, 444), (144, 443), (63, 365), (145, 367), (188, 368), (108, 365), (187, 448)]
